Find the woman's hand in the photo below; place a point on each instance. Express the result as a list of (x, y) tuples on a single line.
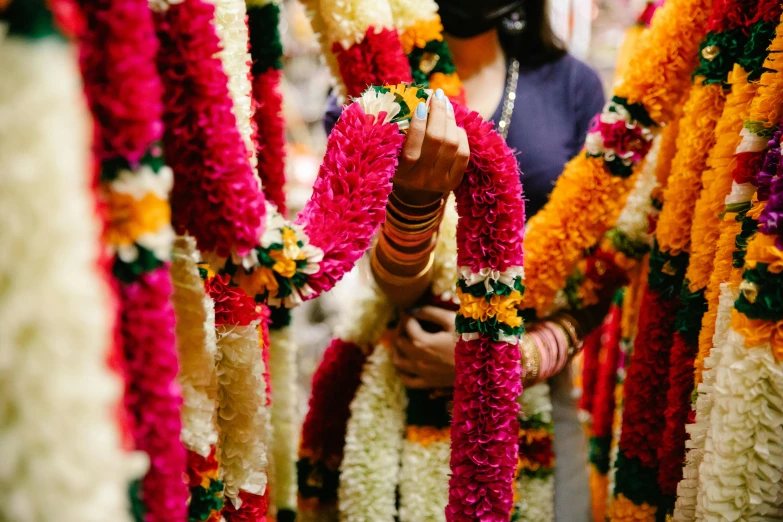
[(424, 359), (434, 156)]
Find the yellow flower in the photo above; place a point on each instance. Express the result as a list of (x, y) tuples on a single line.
[(259, 281), (623, 509), (503, 308), (426, 435), (758, 332), (762, 249), (408, 93), (129, 218), (450, 83), (420, 33), (284, 266)]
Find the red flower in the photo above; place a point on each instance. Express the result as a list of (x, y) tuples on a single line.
[(270, 136), (232, 305), (254, 508), (590, 351), (647, 380), (604, 403), (376, 60)]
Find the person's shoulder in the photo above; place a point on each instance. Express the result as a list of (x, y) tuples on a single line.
[(579, 71)]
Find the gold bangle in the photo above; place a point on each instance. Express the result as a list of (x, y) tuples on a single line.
[(531, 360), (413, 215), (568, 325), (427, 224), (440, 202), (395, 253), (395, 280)]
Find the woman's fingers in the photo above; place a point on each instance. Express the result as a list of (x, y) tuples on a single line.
[(435, 135), (440, 316), (411, 149), (461, 161), (448, 150)]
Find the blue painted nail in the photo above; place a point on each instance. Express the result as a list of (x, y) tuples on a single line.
[(449, 106), (439, 94), (421, 111)]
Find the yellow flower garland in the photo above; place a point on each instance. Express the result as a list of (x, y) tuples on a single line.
[(696, 137), (623, 509), (717, 179), (667, 152), (587, 197)]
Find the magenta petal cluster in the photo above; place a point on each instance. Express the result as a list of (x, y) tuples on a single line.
[(484, 431), (117, 56), (152, 396), (216, 197), (489, 200), (349, 197)]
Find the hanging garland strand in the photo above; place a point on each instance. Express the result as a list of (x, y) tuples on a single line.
[(119, 37), (620, 138)]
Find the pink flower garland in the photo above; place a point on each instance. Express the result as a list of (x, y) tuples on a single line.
[(484, 428), (216, 197), (349, 197), (270, 136), (118, 50), (152, 395)]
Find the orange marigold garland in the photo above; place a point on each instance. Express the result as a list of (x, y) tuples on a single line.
[(576, 218)]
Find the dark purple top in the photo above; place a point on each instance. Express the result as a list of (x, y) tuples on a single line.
[(554, 106)]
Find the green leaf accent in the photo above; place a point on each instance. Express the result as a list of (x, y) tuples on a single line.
[(755, 50), (767, 304), (490, 328), (29, 19), (129, 272), (667, 272), (693, 306), (445, 63), (279, 317), (764, 129), (266, 49), (571, 289), (749, 227), (599, 453), (136, 503), (636, 482), (618, 168), (204, 501), (730, 46), (627, 246), (636, 110)]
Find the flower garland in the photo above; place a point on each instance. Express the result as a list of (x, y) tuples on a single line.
[(377, 408), (424, 474), (576, 217), (266, 51), (649, 374), (117, 37), (535, 490), (604, 406), (56, 324), (197, 348)]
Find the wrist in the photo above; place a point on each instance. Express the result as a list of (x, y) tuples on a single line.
[(416, 197)]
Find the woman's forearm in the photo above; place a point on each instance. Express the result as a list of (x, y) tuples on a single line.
[(402, 256)]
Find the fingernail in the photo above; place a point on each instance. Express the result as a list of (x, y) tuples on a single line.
[(439, 94), (421, 111), (449, 106)]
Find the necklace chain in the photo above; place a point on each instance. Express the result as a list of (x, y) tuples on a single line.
[(509, 98)]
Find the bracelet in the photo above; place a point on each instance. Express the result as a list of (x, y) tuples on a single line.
[(395, 199), (563, 345), (396, 280), (415, 213), (401, 257), (571, 327), (531, 360), (402, 238), (418, 226), (550, 342)]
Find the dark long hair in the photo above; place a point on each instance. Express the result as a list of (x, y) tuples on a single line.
[(537, 44)]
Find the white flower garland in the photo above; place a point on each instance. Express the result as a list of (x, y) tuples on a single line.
[(231, 28), (424, 481), (285, 435), (407, 13), (197, 347), (740, 474), (537, 495), (61, 450), (687, 489), (347, 21), (444, 270), (633, 220), (370, 469), (243, 418)]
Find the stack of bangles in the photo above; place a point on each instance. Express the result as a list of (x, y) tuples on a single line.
[(546, 348), (407, 238)]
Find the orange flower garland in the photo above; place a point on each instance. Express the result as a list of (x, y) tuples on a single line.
[(587, 197)]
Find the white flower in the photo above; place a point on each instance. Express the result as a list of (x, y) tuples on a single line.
[(373, 103), (424, 481), (633, 220), (143, 181), (751, 142), (61, 451), (370, 469), (347, 21), (444, 269), (407, 13)]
